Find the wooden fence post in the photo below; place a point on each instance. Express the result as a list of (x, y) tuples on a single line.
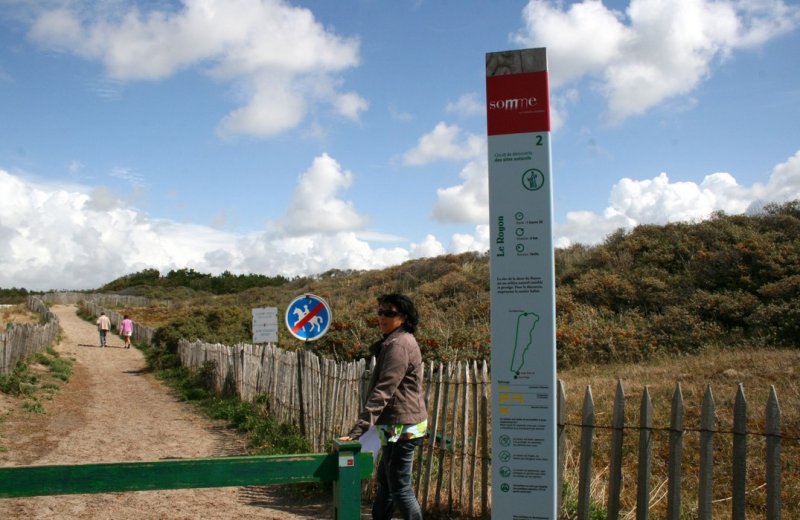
[(738, 502), (587, 432), (675, 456), (454, 436), (476, 431), (485, 435), (773, 456), (706, 485), (615, 469), (465, 434), (645, 456), (301, 361), (443, 443), (562, 438), (420, 452), (432, 435)]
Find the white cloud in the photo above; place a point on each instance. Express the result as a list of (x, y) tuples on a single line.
[(659, 201), (429, 246), (581, 40), (466, 203), (314, 254), (52, 237), (315, 207), (272, 51), (350, 105), (783, 184), (658, 49), (73, 237), (445, 142), (478, 241), (467, 105), (128, 175)]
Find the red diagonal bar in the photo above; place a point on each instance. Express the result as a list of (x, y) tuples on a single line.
[(302, 323)]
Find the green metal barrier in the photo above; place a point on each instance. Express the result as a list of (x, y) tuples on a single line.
[(346, 467)]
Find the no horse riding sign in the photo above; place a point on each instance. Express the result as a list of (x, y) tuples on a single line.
[(308, 317)]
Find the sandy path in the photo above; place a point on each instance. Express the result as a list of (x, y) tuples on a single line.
[(112, 411)]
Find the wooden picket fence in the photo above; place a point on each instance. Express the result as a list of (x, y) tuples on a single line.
[(141, 333), (21, 341), (672, 488), (324, 398), (75, 297), (452, 470)]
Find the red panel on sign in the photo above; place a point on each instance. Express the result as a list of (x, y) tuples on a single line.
[(518, 103)]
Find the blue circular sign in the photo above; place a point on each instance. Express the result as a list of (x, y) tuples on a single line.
[(308, 317)]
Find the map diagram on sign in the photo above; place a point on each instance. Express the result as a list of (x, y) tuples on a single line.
[(523, 340)]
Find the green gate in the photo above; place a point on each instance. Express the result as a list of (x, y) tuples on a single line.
[(346, 467)]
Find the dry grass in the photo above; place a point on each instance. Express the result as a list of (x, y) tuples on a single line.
[(723, 371), (16, 314)]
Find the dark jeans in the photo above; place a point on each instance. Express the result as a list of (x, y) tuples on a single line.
[(394, 482), (103, 338)]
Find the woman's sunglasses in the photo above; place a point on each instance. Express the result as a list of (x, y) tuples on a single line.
[(387, 313)]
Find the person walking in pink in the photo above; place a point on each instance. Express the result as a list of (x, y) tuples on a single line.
[(126, 330)]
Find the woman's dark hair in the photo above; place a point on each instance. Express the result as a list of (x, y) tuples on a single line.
[(405, 306)]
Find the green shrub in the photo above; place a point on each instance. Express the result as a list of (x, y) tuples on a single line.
[(19, 381)]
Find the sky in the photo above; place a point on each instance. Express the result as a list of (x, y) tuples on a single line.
[(291, 138)]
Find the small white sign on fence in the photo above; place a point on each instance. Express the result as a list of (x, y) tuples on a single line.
[(265, 325)]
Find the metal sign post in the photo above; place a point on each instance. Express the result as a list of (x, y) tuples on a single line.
[(524, 465)]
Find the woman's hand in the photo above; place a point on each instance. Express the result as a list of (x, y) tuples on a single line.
[(346, 438)]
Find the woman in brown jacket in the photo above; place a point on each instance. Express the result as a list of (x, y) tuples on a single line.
[(395, 405)]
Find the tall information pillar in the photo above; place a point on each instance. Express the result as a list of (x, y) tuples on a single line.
[(524, 472)]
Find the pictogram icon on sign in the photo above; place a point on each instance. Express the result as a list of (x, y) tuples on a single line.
[(532, 179), (308, 317)]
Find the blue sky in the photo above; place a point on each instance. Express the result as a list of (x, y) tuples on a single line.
[(295, 137)]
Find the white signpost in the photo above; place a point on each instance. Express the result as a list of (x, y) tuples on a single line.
[(265, 325), (524, 464)]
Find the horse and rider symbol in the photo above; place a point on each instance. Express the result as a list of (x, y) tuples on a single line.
[(308, 317)]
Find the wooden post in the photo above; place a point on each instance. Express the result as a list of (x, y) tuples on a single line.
[(773, 456), (645, 456), (561, 413), (301, 413), (476, 431), (706, 485), (738, 503), (615, 469), (420, 452), (485, 505), (675, 456), (587, 432), (443, 443), (432, 436)]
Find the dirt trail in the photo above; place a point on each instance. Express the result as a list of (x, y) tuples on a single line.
[(112, 411)]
